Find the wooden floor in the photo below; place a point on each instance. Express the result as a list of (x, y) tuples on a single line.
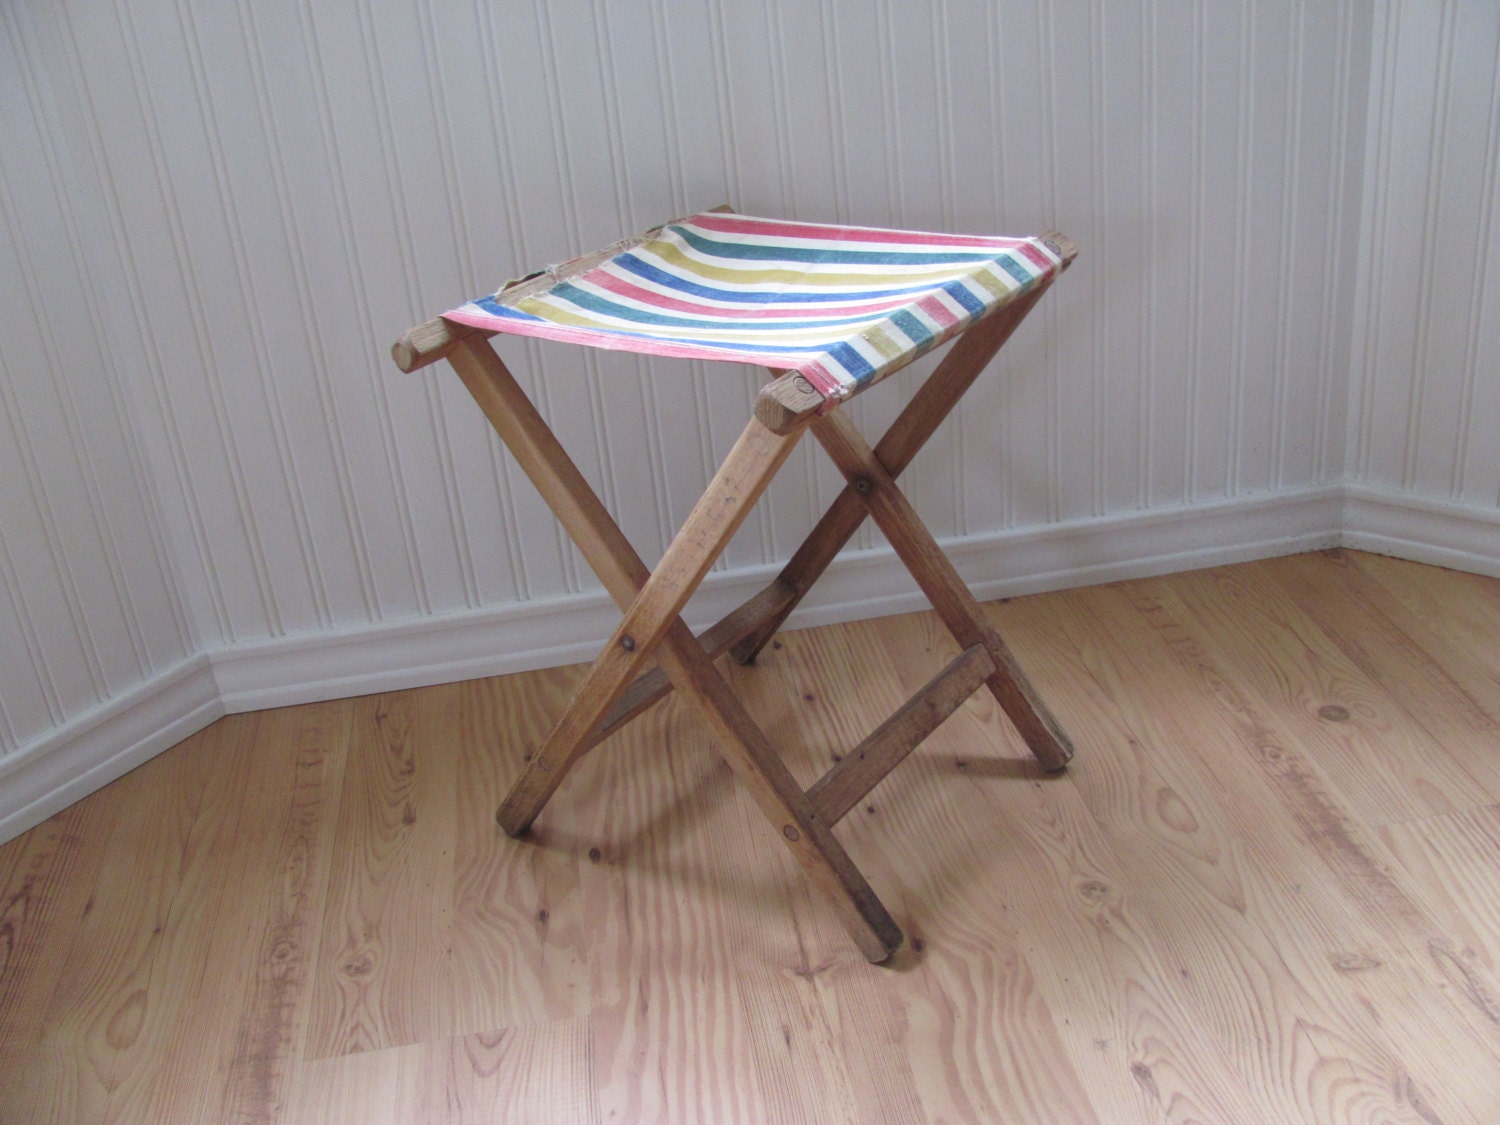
[(1267, 891)]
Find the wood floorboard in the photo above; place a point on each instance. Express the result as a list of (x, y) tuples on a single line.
[(273, 924), (1266, 890), (380, 978), (1451, 859), (1211, 913), (1362, 901), (1424, 669), (1380, 757), (521, 930)]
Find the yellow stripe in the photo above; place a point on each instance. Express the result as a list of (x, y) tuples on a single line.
[(883, 342), (809, 278), (990, 280)]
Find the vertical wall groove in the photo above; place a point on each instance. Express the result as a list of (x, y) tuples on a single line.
[(1424, 361), (230, 216), (1479, 295), (293, 241), (99, 523), (1377, 226), (1336, 367), (1099, 191), (1148, 355), (1245, 128), (1426, 256), (1189, 439), (1286, 255)]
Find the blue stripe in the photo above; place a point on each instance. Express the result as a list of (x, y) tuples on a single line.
[(644, 269), (962, 294), (1015, 269), (832, 253), (509, 312), (851, 361), (594, 303), (914, 328)]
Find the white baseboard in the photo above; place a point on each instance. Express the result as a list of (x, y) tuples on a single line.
[(1426, 531), (861, 584), (83, 755), (68, 763)]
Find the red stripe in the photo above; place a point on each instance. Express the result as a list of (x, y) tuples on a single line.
[(621, 341), (824, 383), (616, 283), (745, 224), (1036, 255), (941, 313)]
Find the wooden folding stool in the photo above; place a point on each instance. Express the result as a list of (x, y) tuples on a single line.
[(830, 310)]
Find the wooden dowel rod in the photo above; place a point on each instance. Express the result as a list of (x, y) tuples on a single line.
[(427, 343)]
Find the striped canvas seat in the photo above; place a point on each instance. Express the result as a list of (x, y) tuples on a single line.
[(842, 306)]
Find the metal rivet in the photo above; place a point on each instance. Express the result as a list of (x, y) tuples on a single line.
[(863, 485), (791, 833), (627, 643)]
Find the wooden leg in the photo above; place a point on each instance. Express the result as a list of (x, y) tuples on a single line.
[(585, 519), (957, 607), (934, 400), (543, 459), (759, 768), (743, 476), (589, 524)]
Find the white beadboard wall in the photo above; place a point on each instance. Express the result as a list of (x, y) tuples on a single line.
[(217, 492), (1425, 372)]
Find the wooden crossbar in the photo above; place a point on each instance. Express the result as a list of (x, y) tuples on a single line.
[(887, 746), (431, 341)]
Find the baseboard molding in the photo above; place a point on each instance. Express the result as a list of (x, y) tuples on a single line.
[(1427, 531), (85, 754), (68, 763), (859, 584)]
